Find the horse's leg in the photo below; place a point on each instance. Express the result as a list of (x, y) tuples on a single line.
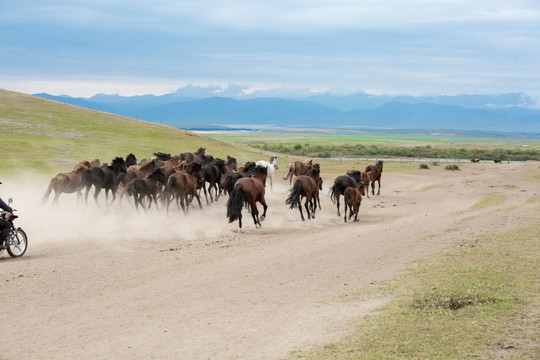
[(379, 188), (205, 193), (356, 209), (96, 193), (263, 203), (255, 215), (338, 214), (345, 213), (199, 200), (306, 205), (300, 208)]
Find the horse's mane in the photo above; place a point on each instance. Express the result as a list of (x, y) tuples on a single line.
[(162, 156), (82, 165)]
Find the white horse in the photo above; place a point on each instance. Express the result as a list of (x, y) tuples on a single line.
[(270, 166)]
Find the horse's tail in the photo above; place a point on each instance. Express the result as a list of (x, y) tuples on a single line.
[(235, 203), (170, 184), (334, 193), (227, 184), (130, 187), (48, 191), (294, 196), (291, 171)]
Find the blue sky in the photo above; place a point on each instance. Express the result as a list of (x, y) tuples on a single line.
[(415, 47)]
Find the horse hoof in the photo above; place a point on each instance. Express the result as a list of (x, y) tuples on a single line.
[(262, 218)]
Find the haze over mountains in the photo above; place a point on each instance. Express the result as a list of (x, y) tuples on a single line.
[(213, 108)]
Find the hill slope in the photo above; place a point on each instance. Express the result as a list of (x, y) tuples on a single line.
[(51, 137)]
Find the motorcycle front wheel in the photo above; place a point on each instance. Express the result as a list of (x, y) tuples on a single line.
[(17, 243)]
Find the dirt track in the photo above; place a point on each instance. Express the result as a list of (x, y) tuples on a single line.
[(108, 283)]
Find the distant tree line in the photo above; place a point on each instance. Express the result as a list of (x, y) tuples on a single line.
[(429, 152)]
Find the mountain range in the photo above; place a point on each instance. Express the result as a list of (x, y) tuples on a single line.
[(513, 112)]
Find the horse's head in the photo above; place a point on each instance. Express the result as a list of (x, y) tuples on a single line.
[(379, 164), (131, 160), (201, 151), (119, 165), (195, 169), (273, 161)]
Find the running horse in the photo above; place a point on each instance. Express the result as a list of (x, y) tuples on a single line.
[(298, 168), (375, 172), (306, 186), (62, 182), (352, 197), (270, 166), (248, 190), (183, 186)]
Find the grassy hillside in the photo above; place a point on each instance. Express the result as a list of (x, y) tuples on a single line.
[(50, 137)]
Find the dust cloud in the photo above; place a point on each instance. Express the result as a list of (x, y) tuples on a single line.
[(74, 221)]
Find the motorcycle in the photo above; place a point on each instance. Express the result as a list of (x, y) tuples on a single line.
[(16, 242)]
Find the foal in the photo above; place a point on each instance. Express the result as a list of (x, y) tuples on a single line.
[(352, 199)]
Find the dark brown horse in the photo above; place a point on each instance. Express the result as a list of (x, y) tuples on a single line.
[(62, 182), (306, 186), (106, 177), (191, 157), (352, 198), (248, 190), (376, 172), (298, 168), (146, 187), (183, 186), (497, 161)]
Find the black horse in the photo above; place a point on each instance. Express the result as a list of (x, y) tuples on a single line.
[(227, 183), (341, 183), (212, 175), (104, 177)]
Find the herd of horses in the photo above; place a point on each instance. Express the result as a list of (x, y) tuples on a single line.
[(164, 179)]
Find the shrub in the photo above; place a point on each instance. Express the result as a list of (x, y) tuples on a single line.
[(424, 166), (451, 167)]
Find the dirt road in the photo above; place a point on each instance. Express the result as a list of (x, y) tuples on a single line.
[(107, 283)]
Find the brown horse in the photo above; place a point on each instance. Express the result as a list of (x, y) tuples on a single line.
[(62, 182), (248, 190), (306, 186), (298, 168), (376, 172), (183, 186), (497, 161), (191, 157), (352, 199), (342, 182), (146, 187)]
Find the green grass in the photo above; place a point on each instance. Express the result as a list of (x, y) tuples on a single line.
[(465, 303), (49, 137), (490, 199)]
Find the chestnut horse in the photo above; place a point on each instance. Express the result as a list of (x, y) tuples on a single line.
[(376, 172), (248, 190), (298, 168), (183, 186), (61, 183), (306, 186), (352, 197)]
